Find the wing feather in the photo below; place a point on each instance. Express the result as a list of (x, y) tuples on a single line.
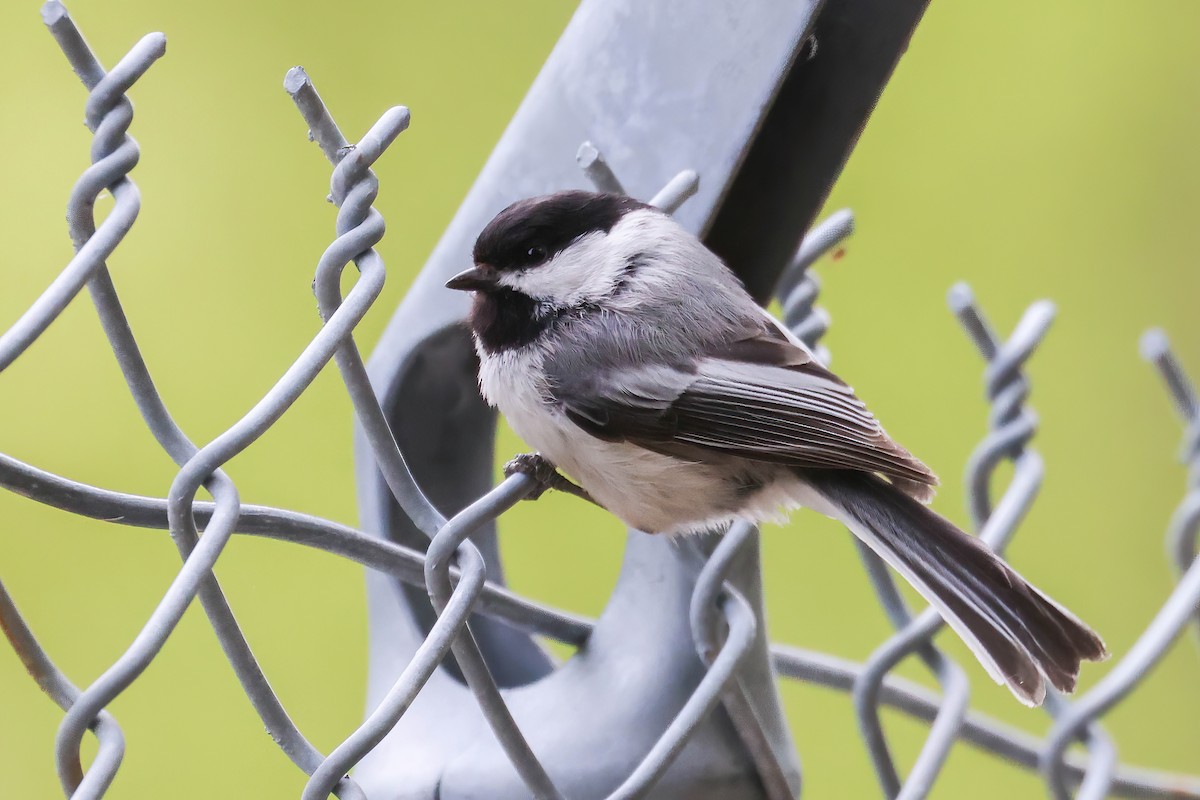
[(759, 396)]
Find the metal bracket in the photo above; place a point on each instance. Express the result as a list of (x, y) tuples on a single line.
[(733, 91)]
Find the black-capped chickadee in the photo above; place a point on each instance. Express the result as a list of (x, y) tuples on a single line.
[(632, 358)]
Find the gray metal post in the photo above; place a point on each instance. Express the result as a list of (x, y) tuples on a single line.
[(734, 91)]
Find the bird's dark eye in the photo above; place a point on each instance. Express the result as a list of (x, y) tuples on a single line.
[(536, 254)]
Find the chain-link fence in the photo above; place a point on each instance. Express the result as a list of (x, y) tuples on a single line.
[(471, 611)]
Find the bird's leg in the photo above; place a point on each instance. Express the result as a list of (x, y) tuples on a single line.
[(546, 474)]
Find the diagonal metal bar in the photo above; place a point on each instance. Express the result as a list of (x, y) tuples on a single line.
[(820, 109)]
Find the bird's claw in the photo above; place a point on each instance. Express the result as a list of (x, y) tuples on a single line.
[(538, 467), (535, 466)]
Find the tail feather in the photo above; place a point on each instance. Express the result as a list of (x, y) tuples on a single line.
[(1020, 635)]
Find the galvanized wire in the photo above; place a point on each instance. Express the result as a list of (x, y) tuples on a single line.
[(114, 154), (109, 114), (713, 593), (716, 682), (819, 669), (1012, 427), (54, 683), (799, 287), (1180, 607), (723, 622), (798, 292)]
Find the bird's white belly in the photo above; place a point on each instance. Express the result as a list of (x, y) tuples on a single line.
[(649, 491)]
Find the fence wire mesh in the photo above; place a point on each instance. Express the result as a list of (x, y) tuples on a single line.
[(452, 570)]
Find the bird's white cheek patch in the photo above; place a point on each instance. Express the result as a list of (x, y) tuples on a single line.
[(585, 271)]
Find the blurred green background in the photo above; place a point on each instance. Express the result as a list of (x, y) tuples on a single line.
[(1036, 150)]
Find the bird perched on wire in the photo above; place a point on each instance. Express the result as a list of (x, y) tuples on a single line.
[(633, 359)]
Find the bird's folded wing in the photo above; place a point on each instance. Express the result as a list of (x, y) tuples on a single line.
[(756, 398)]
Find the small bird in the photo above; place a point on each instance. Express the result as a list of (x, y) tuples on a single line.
[(632, 359)]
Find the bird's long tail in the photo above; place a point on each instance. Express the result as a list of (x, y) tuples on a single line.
[(1020, 635)]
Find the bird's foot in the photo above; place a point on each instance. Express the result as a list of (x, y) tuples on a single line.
[(545, 473)]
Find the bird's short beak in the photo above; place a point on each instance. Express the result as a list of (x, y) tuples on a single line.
[(479, 278)]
